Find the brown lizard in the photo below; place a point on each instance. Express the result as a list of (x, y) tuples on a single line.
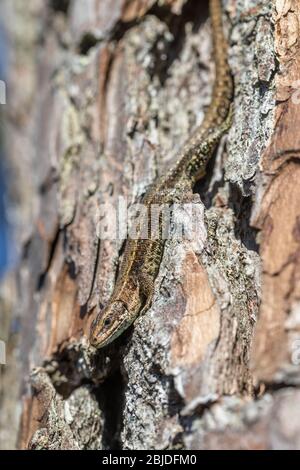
[(134, 288)]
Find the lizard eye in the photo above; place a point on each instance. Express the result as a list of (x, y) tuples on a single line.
[(107, 321)]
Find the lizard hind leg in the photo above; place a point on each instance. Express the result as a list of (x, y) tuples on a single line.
[(147, 289)]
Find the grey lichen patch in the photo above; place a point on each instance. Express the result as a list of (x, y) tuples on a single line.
[(157, 87), (141, 103), (74, 85), (147, 394), (253, 65), (229, 255), (72, 137), (234, 273), (83, 415)]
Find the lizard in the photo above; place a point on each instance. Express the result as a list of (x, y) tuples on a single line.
[(134, 288)]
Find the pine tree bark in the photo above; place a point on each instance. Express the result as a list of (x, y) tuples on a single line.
[(111, 93)]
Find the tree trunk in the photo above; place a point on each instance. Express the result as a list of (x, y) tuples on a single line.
[(103, 95)]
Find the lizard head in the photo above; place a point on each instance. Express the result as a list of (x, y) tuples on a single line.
[(110, 323)]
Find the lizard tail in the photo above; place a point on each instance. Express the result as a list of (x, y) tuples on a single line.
[(195, 154)]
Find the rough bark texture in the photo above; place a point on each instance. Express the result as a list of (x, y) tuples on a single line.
[(107, 95)]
